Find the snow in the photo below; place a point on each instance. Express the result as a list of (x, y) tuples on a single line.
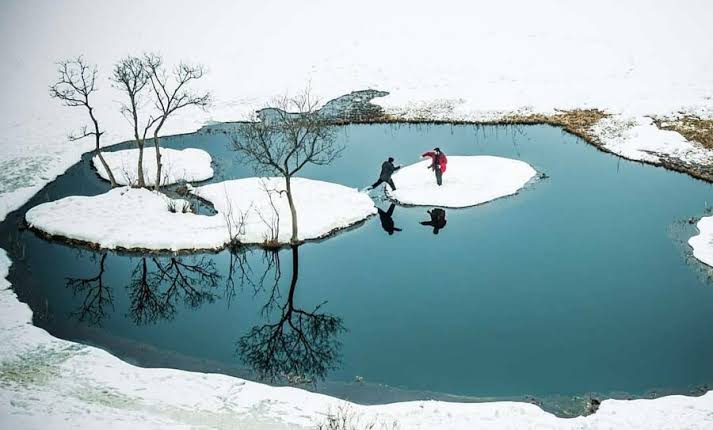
[(322, 207), (483, 60), (188, 165), (109, 220), (468, 181), (640, 139), (702, 243)]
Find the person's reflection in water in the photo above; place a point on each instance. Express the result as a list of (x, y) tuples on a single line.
[(387, 220), (438, 219)]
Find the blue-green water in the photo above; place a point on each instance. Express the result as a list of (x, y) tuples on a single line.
[(580, 283)]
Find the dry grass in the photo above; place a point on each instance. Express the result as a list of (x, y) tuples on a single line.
[(346, 418), (691, 127), (576, 121)]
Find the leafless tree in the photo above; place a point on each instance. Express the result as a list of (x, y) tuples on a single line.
[(171, 94), (235, 221), (131, 77), (286, 136), (75, 84), (272, 235)]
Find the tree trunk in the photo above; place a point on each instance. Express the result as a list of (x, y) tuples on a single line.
[(106, 167), (293, 210), (97, 136), (157, 185), (141, 183)]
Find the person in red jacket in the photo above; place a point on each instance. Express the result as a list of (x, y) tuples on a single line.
[(438, 163)]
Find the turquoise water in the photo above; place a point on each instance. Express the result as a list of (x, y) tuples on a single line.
[(580, 283)]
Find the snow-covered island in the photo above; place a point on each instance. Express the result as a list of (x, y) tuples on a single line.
[(468, 181), (250, 211), (187, 165)]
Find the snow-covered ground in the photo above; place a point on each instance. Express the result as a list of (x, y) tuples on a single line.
[(450, 60), (702, 243), (638, 138), (468, 181), (187, 165), (245, 213), (260, 206)]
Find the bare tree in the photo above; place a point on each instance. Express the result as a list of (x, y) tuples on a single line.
[(290, 134), (171, 94), (75, 84), (272, 235), (131, 77)]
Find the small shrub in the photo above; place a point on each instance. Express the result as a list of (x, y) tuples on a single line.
[(182, 206), (346, 419), (187, 207)]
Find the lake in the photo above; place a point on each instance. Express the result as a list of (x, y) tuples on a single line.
[(581, 283)]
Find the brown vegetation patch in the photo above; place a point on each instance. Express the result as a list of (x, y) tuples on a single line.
[(691, 127), (576, 121)]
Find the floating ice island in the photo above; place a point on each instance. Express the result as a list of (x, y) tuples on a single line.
[(468, 181), (250, 210)]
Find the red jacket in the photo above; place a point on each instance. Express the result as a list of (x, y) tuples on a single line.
[(442, 160)]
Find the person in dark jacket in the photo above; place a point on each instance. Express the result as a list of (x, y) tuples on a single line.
[(387, 169), (387, 220), (438, 163), (438, 219)]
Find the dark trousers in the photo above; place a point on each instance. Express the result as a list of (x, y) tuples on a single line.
[(381, 181), (439, 176)]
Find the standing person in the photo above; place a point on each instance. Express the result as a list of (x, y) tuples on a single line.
[(438, 219), (438, 163), (387, 169)]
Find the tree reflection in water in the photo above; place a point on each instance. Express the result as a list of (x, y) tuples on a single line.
[(241, 274), (155, 289), (300, 346), (97, 295)]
